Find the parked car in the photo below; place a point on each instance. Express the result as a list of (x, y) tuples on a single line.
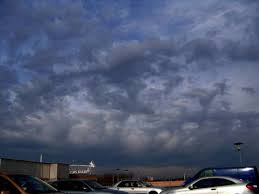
[(24, 184), (69, 185), (248, 173), (135, 186), (215, 185)]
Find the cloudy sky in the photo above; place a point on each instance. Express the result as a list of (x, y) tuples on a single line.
[(140, 84)]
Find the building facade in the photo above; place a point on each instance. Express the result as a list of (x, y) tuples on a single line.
[(42, 170)]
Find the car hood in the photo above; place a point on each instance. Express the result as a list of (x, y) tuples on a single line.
[(112, 191), (81, 192), (148, 188), (54, 193), (175, 190)]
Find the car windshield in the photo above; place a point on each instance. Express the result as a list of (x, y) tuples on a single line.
[(32, 184), (94, 185), (146, 184)]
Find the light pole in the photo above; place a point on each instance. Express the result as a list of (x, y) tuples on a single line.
[(238, 148), (118, 173)]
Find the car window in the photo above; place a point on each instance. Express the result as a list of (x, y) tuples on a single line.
[(68, 186), (77, 186), (204, 183), (222, 182), (146, 184), (6, 185), (93, 184), (54, 184), (122, 184), (136, 184), (32, 184), (126, 184), (206, 173), (60, 185)]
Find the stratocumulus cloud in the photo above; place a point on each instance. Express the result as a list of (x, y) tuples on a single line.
[(130, 83)]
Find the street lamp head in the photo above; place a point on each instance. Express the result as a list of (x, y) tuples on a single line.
[(238, 145)]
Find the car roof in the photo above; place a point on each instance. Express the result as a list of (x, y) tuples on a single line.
[(87, 180), (220, 177), (66, 180), (8, 174), (229, 167), (130, 180), (59, 180), (126, 180)]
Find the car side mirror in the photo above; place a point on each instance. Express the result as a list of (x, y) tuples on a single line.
[(191, 187), (5, 192)]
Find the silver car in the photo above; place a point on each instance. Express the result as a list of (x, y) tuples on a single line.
[(70, 186), (215, 185), (136, 187)]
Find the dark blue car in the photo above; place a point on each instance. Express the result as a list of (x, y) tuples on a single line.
[(248, 174)]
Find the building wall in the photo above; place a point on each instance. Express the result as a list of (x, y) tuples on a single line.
[(44, 171), (20, 167), (175, 183), (53, 171), (63, 171)]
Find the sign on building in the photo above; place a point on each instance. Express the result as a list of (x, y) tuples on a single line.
[(81, 169)]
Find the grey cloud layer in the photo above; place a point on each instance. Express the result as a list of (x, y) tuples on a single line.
[(97, 77)]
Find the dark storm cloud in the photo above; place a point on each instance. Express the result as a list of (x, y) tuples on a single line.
[(248, 90), (201, 49), (8, 77), (206, 96), (152, 81), (237, 51)]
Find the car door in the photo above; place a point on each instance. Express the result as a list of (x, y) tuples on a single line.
[(125, 186), (138, 187), (202, 186)]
